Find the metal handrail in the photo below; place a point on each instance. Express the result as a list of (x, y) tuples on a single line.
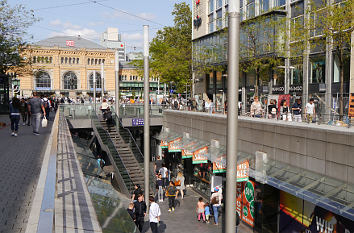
[(131, 183)]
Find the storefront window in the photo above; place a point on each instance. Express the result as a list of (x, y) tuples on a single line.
[(336, 69), (210, 77), (219, 80), (42, 80), (318, 71), (296, 75)]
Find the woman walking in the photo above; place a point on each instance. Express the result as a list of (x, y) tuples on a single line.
[(180, 180), (15, 106)]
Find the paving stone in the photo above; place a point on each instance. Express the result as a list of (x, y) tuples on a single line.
[(19, 171)]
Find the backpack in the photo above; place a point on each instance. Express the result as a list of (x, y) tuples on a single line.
[(46, 104), (175, 104)]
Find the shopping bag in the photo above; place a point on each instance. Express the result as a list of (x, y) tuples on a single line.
[(44, 122)]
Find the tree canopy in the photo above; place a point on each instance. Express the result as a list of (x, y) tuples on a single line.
[(14, 22), (171, 49)]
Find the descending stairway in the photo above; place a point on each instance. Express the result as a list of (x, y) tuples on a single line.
[(126, 154)]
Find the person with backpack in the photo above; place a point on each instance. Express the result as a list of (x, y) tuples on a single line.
[(15, 106), (171, 194), (47, 106), (140, 211)]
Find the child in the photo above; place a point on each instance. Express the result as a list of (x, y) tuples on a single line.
[(131, 211), (159, 187), (201, 208), (207, 212)]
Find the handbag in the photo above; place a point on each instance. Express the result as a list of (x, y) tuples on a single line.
[(177, 183), (44, 122)]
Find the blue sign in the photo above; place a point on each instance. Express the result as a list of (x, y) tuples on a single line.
[(137, 122), (171, 91)]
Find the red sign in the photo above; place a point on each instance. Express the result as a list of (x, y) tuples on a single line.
[(200, 156), (70, 43), (243, 171)]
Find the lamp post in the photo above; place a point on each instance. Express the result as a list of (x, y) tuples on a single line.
[(102, 82), (116, 90), (94, 89), (146, 114), (232, 114)]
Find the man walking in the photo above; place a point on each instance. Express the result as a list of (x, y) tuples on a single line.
[(297, 110), (140, 211), (154, 215), (310, 111), (35, 106), (171, 194)]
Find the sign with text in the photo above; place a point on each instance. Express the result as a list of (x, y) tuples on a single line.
[(70, 43), (187, 153), (200, 155), (175, 145), (248, 203), (351, 105), (163, 144), (219, 165), (243, 171), (137, 121)]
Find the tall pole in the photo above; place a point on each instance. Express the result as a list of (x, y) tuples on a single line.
[(116, 90), (94, 89), (102, 82), (232, 114), (146, 114)]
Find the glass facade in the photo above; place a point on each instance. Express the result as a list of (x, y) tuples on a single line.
[(98, 81), (70, 80), (211, 6), (318, 70)]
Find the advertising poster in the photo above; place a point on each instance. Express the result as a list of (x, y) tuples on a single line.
[(239, 189), (297, 215), (248, 203), (219, 165), (186, 152), (200, 156), (163, 144), (243, 171), (175, 145), (281, 98)]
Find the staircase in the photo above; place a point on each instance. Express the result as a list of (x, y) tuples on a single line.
[(126, 154)]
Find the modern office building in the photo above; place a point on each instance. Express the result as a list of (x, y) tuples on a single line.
[(111, 39), (316, 75)]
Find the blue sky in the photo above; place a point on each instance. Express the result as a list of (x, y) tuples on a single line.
[(90, 19)]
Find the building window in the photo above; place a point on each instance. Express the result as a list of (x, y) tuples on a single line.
[(279, 3), (103, 61), (219, 19), (70, 81), (318, 70), (42, 80), (34, 59), (264, 5), (77, 60), (66, 60), (69, 60), (250, 9), (211, 6), (88, 61), (211, 23), (218, 4), (50, 60), (98, 81)]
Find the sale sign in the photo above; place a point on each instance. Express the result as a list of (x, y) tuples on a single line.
[(175, 145), (186, 152), (200, 155), (219, 165), (243, 171), (248, 203), (163, 144)]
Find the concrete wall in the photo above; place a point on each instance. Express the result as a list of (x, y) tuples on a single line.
[(323, 149)]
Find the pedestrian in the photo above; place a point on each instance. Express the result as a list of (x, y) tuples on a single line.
[(297, 110), (158, 164), (180, 181), (164, 173), (171, 194), (284, 111), (207, 212), (159, 187), (272, 110), (215, 201), (136, 192), (28, 113), (35, 107), (310, 111), (47, 106), (200, 209), (104, 107), (15, 106), (140, 211), (154, 215), (256, 108), (23, 110), (131, 211)]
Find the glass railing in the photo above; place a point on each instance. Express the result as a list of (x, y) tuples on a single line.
[(110, 206)]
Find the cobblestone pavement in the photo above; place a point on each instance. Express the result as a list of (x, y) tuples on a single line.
[(20, 165), (184, 218)]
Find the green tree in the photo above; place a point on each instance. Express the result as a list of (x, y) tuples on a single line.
[(14, 22), (262, 46), (171, 50)]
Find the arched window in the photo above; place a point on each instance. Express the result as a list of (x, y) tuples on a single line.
[(88, 61), (98, 81), (99, 61), (92, 60), (62, 60), (70, 80), (66, 60), (42, 80), (34, 59), (77, 60)]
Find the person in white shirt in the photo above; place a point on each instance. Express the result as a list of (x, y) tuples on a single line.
[(154, 215), (310, 111)]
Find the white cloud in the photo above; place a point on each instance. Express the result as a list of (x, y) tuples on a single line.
[(68, 25), (55, 22), (148, 16), (132, 37)]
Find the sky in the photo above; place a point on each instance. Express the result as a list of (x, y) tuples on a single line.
[(90, 18)]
